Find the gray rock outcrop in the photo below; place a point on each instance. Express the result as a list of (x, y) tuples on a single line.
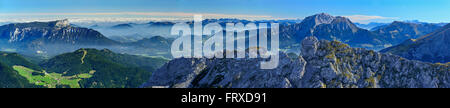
[(322, 64)]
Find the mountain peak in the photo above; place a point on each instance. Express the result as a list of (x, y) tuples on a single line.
[(62, 23), (406, 23), (50, 24), (341, 19), (158, 38), (344, 23), (122, 26), (397, 22), (402, 23), (322, 18), (309, 46), (328, 27), (323, 14), (399, 31)]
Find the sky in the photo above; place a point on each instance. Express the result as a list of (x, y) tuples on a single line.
[(362, 11)]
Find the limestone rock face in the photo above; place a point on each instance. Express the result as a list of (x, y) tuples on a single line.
[(322, 64), (336, 65), (327, 27), (228, 73), (62, 23), (54, 32), (51, 37), (309, 46)]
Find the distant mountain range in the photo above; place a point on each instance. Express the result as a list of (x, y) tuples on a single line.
[(328, 27), (433, 47), (157, 41), (47, 39), (162, 28), (325, 26), (371, 25), (123, 26), (154, 46), (127, 38), (50, 37), (398, 32), (55, 32)]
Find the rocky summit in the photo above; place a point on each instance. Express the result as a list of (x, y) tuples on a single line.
[(322, 64)]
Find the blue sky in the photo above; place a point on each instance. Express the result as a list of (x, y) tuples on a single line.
[(358, 10)]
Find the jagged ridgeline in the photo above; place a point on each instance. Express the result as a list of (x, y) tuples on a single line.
[(47, 39), (54, 32), (57, 37), (321, 64), (328, 27), (50, 37)]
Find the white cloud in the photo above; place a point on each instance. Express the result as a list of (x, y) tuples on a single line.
[(364, 19), (179, 14), (120, 16)]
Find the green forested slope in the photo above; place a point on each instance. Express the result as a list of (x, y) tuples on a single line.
[(111, 70)]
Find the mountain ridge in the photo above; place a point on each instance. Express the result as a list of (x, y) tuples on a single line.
[(50, 37), (432, 47), (328, 27), (322, 64), (10, 78), (399, 31)]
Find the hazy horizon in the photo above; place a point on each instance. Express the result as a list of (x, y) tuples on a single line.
[(155, 10)]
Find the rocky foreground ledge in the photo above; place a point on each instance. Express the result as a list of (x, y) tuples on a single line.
[(322, 64)]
